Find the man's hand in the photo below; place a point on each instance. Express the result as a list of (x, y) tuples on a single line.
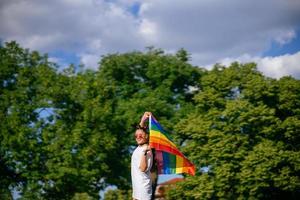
[(144, 118)]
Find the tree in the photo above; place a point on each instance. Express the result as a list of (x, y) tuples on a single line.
[(19, 129), (69, 133), (118, 195), (243, 136), (149, 81)]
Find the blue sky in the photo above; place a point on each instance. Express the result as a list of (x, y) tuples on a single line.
[(213, 31), (277, 49)]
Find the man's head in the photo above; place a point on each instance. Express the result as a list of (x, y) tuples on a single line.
[(141, 136)]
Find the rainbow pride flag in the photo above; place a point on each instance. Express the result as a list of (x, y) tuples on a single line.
[(169, 159)]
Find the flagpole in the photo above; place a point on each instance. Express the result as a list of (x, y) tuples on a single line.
[(150, 117), (149, 123)]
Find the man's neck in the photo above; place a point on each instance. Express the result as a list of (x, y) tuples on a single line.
[(144, 144)]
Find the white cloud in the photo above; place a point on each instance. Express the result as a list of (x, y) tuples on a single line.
[(148, 30), (285, 36), (212, 30), (209, 29), (275, 67), (286, 65), (84, 27), (90, 60)]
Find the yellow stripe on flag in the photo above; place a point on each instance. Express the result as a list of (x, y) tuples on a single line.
[(179, 164)]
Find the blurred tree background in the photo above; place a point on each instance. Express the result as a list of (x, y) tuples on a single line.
[(67, 134)]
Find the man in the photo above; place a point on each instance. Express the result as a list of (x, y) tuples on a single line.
[(141, 162)]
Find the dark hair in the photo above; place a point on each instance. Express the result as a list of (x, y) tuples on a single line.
[(144, 128)]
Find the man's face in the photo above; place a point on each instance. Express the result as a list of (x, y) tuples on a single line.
[(141, 137)]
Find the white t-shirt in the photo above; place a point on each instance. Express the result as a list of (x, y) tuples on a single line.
[(141, 181)]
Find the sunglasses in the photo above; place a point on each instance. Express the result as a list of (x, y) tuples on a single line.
[(140, 136)]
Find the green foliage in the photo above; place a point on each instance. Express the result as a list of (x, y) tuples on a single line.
[(117, 194), (82, 196), (243, 137), (21, 88), (67, 133)]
